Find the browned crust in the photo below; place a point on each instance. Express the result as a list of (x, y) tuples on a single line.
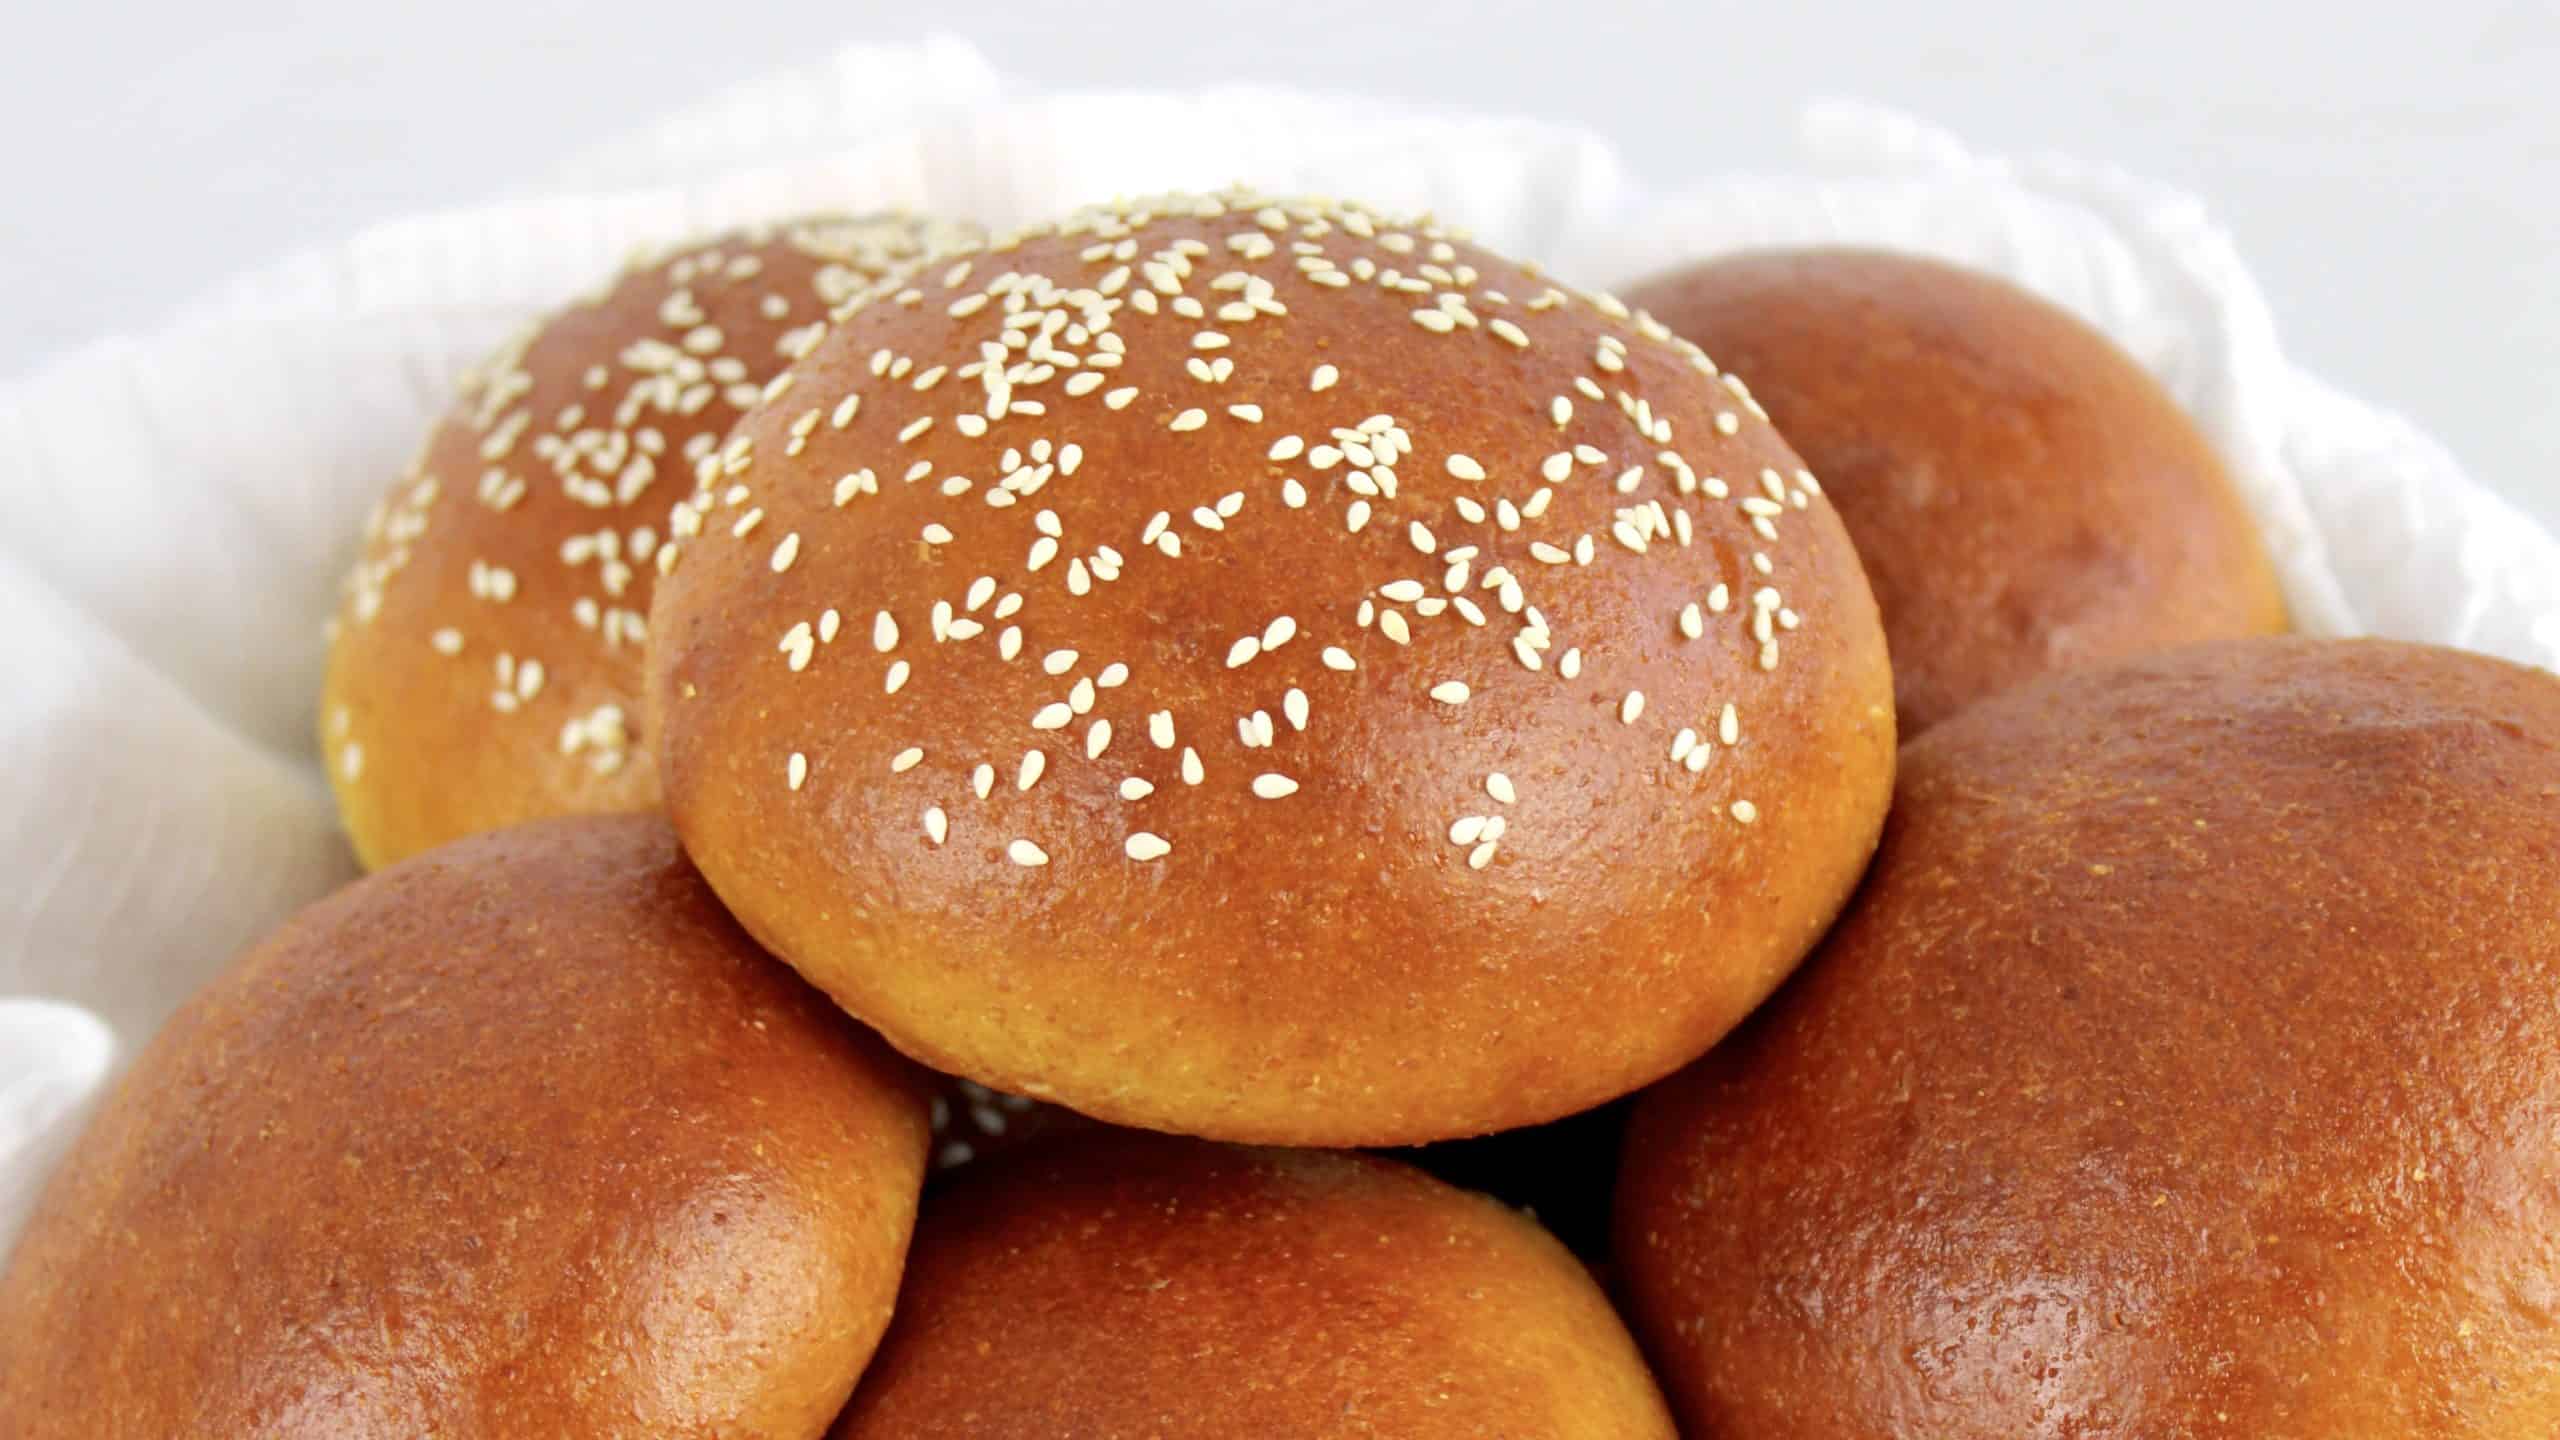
[(522, 1137), (1129, 1285), (518, 544), (2025, 496), (1326, 966), (2188, 1067)]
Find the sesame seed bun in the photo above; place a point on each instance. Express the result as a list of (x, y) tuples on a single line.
[(1323, 684), (484, 664), (522, 1137), (1130, 1285), (2026, 498), (2187, 1067)]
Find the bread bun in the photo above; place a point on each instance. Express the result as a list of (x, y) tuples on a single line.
[(2026, 498), (1235, 677), (2187, 1067), (521, 1137), (1135, 1285), (484, 666)]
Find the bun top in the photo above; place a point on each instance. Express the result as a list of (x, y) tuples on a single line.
[(1394, 695), (485, 662), (522, 1137), (2187, 1066), (2025, 497), (1125, 1284)]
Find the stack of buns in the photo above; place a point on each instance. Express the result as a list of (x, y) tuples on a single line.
[(932, 793)]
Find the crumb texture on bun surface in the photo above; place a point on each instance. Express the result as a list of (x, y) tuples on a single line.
[(2026, 498), (520, 1137), (1127, 1284), (484, 664), (2188, 1066), (1260, 669)]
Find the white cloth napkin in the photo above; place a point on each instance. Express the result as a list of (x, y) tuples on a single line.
[(175, 508)]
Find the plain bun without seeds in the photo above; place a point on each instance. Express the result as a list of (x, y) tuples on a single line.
[(1132, 1285), (1259, 669), (484, 664), (2024, 496), (521, 1137), (2188, 1066)]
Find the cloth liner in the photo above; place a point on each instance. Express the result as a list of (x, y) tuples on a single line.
[(176, 508)]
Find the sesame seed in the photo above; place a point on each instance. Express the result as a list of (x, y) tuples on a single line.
[(1080, 699), (1392, 624), (1026, 854), (937, 535), (1683, 744), (447, 641), (1119, 399), (913, 428), (1053, 716), (1243, 651), (1134, 788), (1450, 692), (1745, 812), (1510, 332), (1631, 707), (1144, 846), (1692, 624), (1323, 378), (1499, 786), (1293, 494), (897, 677), (906, 760), (1034, 763), (1466, 829), (1481, 856), (1720, 599), (1192, 773), (1191, 419), (1273, 786), (1465, 467), (1250, 414), (937, 826), (1279, 632), (1287, 447), (1097, 738), (1160, 729), (798, 769), (1729, 726), (1337, 658), (786, 552)]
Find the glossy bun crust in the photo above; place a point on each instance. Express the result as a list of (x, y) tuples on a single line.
[(484, 666), (1298, 713), (522, 1137), (1135, 1285), (2188, 1067), (2026, 498)]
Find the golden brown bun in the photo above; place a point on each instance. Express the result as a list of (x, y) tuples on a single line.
[(2025, 497), (484, 666), (1135, 1285), (522, 1137), (1312, 941), (2187, 1068)]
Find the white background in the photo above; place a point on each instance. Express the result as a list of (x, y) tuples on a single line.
[(2392, 172)]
